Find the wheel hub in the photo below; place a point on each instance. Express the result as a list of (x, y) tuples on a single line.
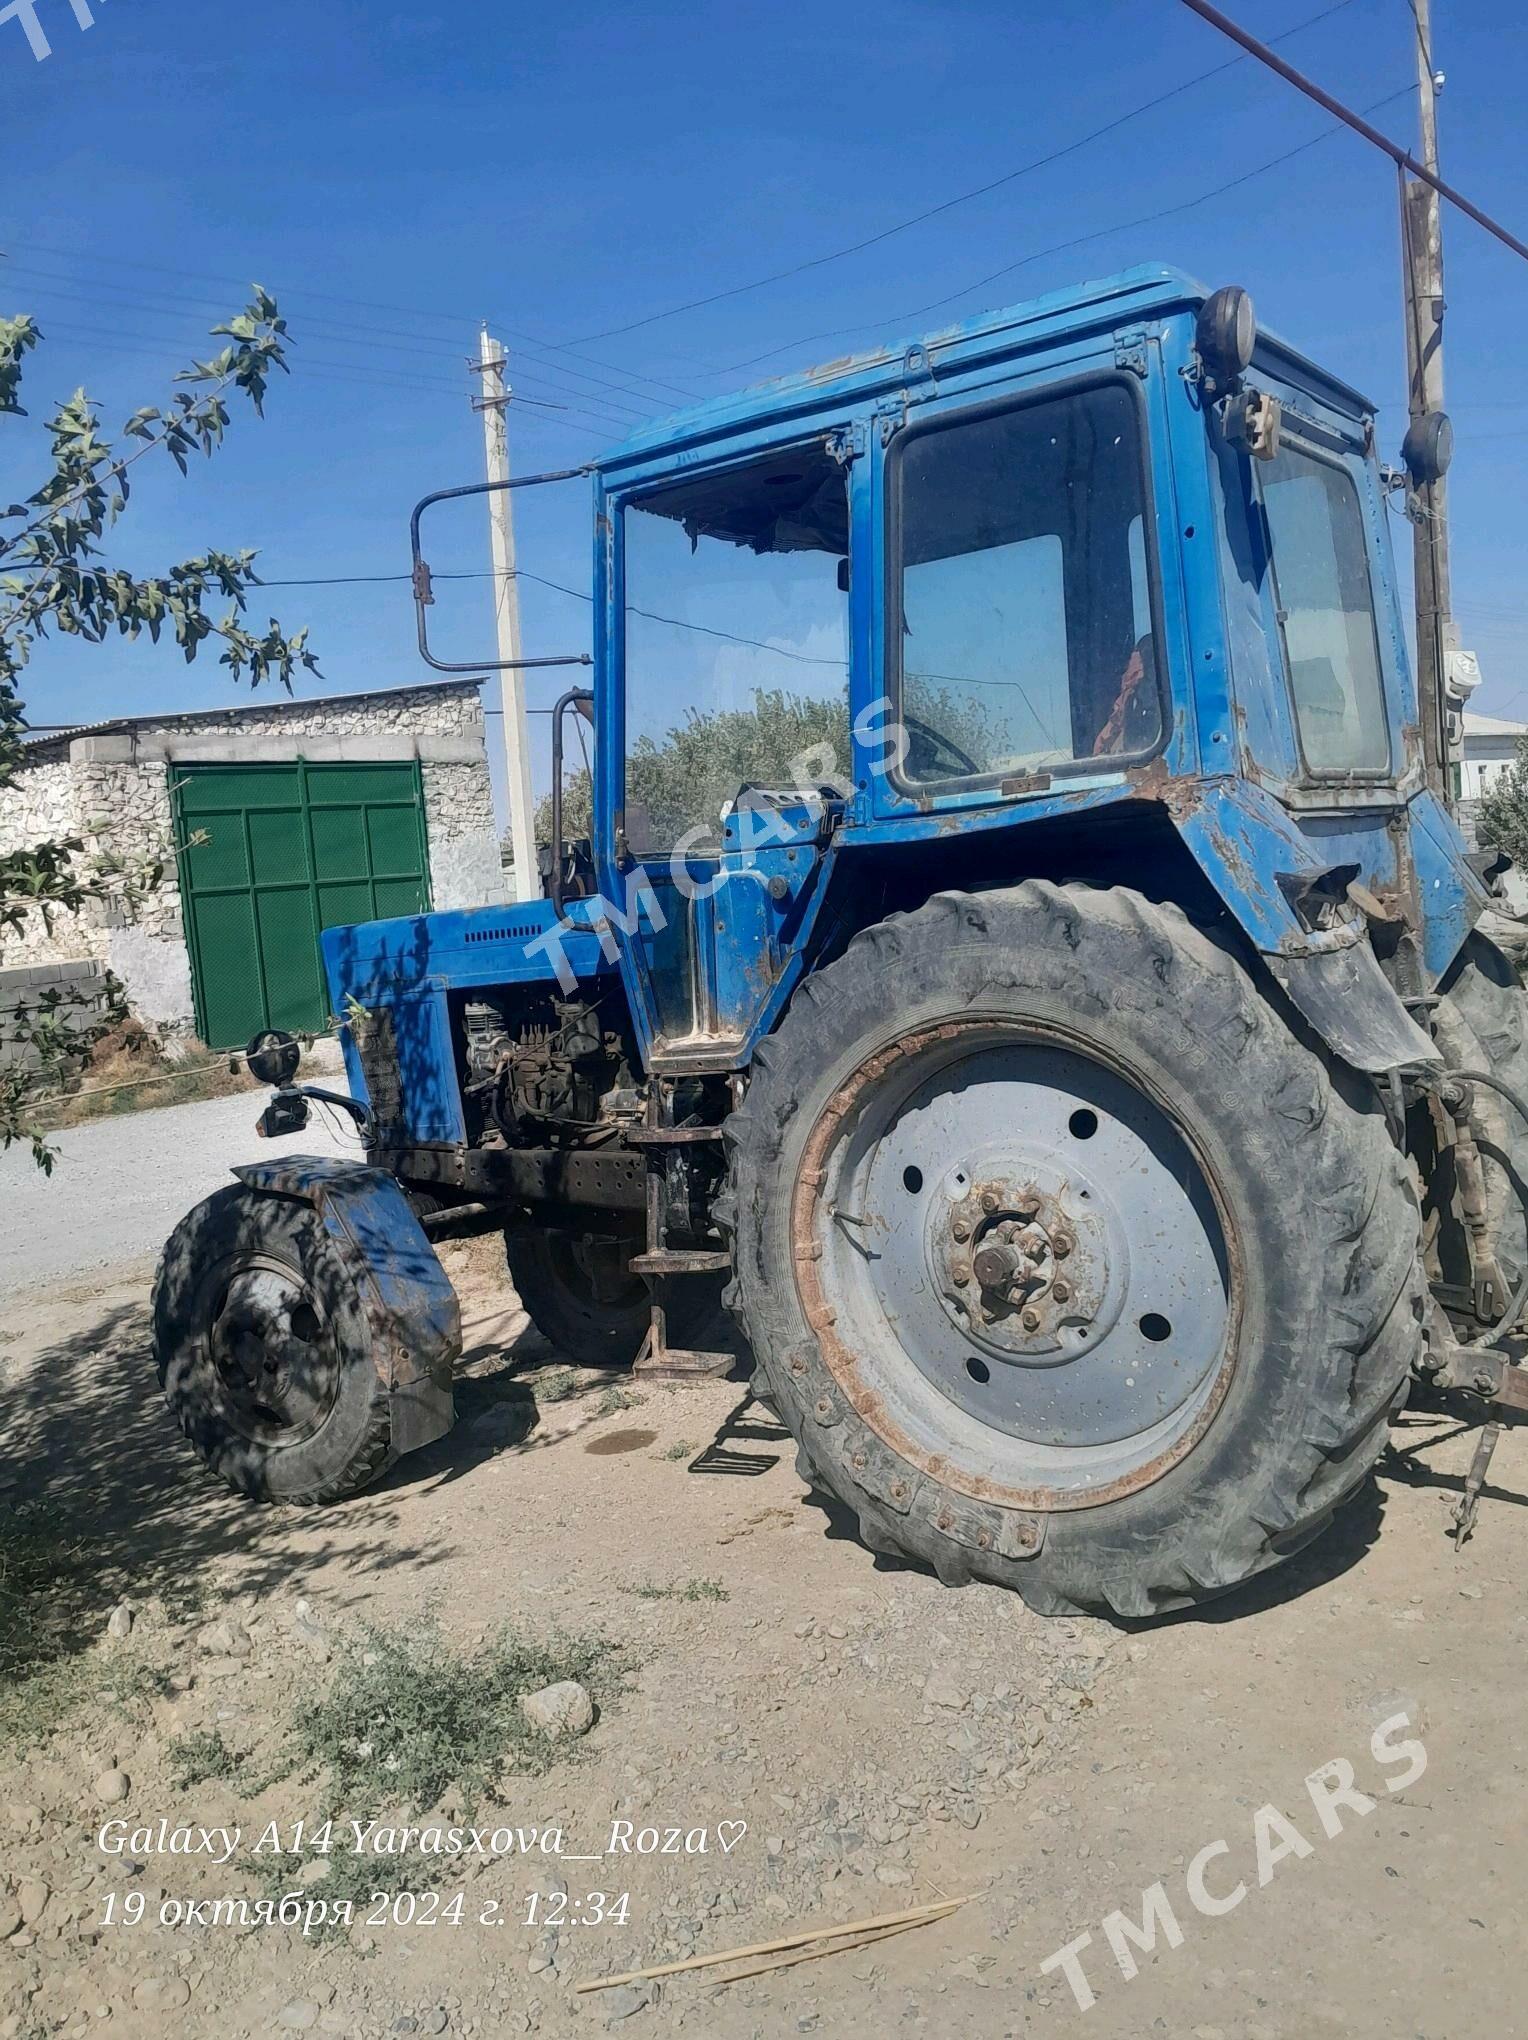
[(1021, 1257), (272, 1352)]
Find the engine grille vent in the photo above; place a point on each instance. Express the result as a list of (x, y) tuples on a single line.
[(516, 931)]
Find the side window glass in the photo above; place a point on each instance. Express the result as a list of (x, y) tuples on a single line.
[(1326, 612)]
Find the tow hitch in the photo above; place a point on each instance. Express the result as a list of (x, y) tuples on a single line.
[(1487, 1372)]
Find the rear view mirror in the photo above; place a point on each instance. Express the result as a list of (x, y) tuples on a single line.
[(424, 590)]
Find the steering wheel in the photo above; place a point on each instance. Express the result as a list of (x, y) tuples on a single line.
[(932, 755)]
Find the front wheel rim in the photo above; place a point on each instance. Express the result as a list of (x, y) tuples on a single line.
[(272, 1350), (1015, 1260)]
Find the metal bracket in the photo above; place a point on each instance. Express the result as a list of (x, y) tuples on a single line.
[(890, 417), (847, 444), (1130, 352), (918, 368), (1252, 420)]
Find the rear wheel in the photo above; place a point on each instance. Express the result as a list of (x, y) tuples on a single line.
[(1068, 1265), (264, 1352)]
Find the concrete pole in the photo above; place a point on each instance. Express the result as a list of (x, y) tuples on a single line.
[(506, 604), (1424, 351)]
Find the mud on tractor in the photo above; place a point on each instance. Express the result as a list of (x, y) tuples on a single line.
[(1078, 1069)]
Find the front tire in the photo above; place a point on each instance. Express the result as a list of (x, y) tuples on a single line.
[(265, 1353), (1242, 1293)]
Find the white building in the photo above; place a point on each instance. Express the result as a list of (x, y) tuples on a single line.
[(1489, 747), (273, 820)]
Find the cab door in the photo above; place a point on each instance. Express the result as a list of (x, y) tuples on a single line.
[(726, 735)]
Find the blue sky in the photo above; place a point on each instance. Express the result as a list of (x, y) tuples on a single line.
[(397, 174)]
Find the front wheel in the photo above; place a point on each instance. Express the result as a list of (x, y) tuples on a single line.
[(265, 1352), (1067, 1264)]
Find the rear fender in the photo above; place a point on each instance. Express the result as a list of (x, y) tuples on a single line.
[(1258, 861), (410, 1306)]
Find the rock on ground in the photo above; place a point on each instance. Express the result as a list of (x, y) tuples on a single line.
[(561, 1710)]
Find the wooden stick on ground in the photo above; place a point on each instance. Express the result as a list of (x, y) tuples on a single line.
[(815, 1954), (913, 1916)]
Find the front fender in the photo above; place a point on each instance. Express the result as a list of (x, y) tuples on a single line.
[(1255, 856), (410, 1306)]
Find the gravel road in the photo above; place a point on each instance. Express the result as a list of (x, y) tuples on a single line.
[(120, 1185)]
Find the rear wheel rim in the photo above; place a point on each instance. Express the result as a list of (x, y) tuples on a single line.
[(1016, 1263), (272, 1350)]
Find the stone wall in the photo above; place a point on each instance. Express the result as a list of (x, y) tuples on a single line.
[(113, 788), (41, 807), (80, 989), (465, 870)]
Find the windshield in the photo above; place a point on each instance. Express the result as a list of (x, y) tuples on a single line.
[(1025, 639), (736, 633)]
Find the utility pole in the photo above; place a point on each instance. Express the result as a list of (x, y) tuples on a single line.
[(493, 403), (1422, 246)]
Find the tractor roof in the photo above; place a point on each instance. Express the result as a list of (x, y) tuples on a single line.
[(1147, 291)]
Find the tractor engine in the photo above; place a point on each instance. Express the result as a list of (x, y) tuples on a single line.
[(538, 1068)]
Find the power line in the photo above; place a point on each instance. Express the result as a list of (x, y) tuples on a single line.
[(398, 342), (608, 411), (949, 204), (329, 370), (578, 595), (573, 347), (348, 335), (159, 341), (1402, 158), (1059, 247), (443, 320)]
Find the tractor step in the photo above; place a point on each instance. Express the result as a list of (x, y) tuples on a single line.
[(671, 1261), (657, 1362), (671, 1136)]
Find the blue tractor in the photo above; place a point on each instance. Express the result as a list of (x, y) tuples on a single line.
[(1016, 955)]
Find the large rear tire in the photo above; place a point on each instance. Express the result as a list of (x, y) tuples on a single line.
[(264, 1352), (1182, 1394)]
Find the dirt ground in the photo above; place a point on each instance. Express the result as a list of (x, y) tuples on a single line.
[(832, 1736)]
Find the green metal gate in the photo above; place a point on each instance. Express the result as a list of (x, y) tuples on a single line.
[(290, 850)]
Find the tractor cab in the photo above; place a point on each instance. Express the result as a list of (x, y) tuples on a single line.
[(1105, 570)]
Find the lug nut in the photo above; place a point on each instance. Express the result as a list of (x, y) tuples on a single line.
[(1061, 1291), (961, 1229), (1061, 1245), (961, 1273), (989, 1200), (1030, 1321)]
